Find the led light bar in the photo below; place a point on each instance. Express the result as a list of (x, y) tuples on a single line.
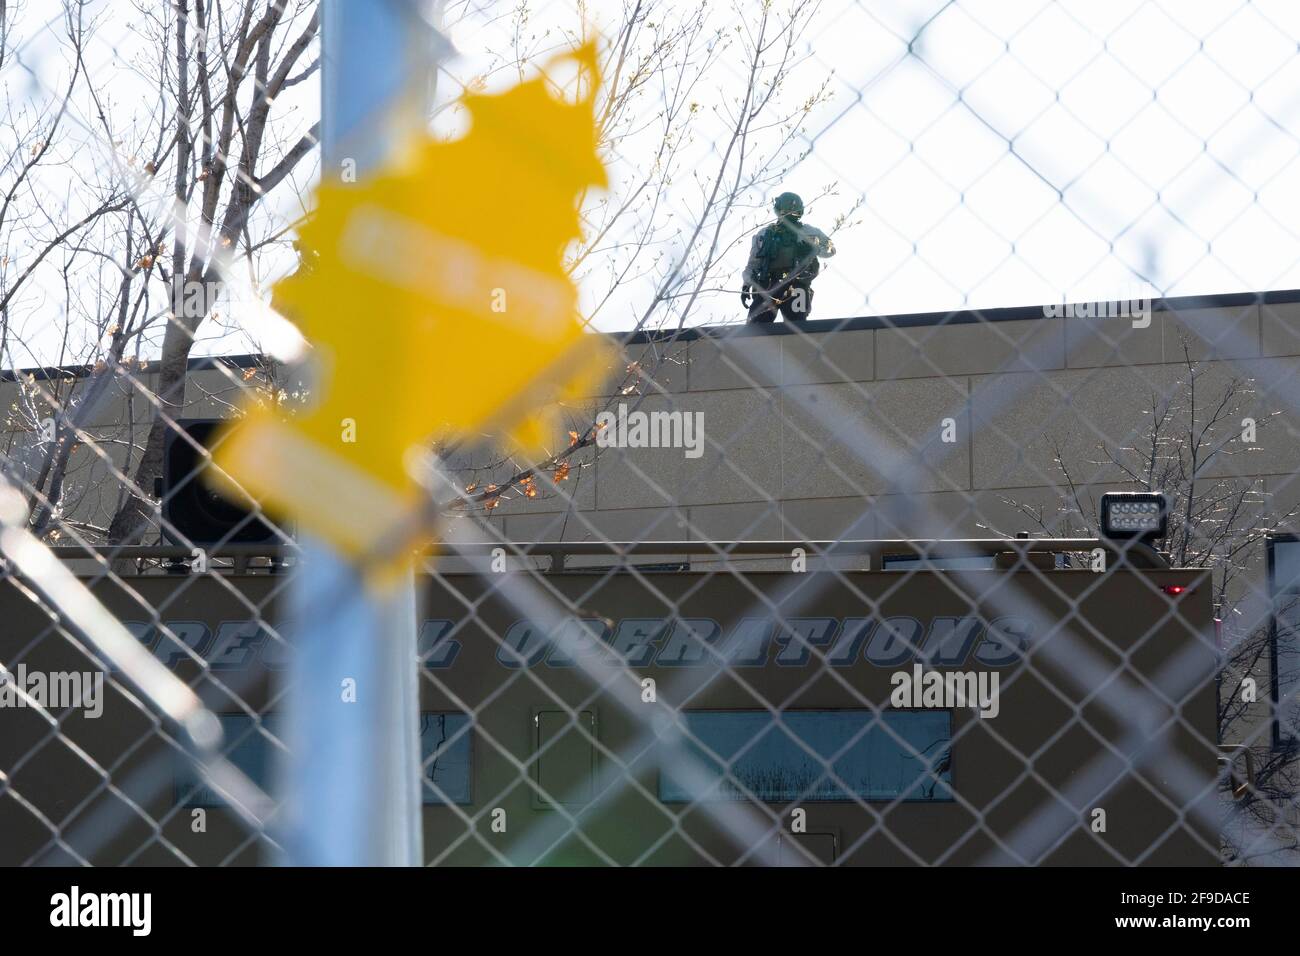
[(1134, 514)]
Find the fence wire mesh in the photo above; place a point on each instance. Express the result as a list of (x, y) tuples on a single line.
[(702, 629)]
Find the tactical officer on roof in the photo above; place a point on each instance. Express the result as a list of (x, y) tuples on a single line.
[(783, 263)]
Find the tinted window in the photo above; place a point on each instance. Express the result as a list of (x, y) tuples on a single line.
[(1286, 609), (445, 750), (817, 755), (246, 745), (1286, 565)]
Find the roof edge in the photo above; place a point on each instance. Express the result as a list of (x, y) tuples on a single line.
[(1018, 313)]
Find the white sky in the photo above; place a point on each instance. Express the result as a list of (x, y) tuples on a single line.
[(1033, 150), (1028, 150)]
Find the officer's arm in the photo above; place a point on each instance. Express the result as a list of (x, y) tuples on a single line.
[(747, 277), (825, 248)]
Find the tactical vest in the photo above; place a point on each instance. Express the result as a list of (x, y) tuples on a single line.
[(782, 254)]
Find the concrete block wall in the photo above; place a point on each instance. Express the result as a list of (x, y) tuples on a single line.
[(842, 429), (827, 431)]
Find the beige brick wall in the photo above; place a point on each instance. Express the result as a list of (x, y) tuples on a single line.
[(817, 433), (865, 437)]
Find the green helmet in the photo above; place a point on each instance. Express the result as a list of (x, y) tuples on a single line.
[(788, 204)]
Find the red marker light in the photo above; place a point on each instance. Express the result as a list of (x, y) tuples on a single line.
[(1173, 589)]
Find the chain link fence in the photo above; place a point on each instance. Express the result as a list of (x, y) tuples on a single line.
[(831, 592)]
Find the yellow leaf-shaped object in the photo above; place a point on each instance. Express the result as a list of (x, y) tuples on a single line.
[(437, 305)]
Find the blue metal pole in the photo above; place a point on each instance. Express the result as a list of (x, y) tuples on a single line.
[(353, 777)]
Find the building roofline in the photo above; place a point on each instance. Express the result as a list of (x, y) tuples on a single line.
[(1184, 303), (48, 372), (1019, 313)]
